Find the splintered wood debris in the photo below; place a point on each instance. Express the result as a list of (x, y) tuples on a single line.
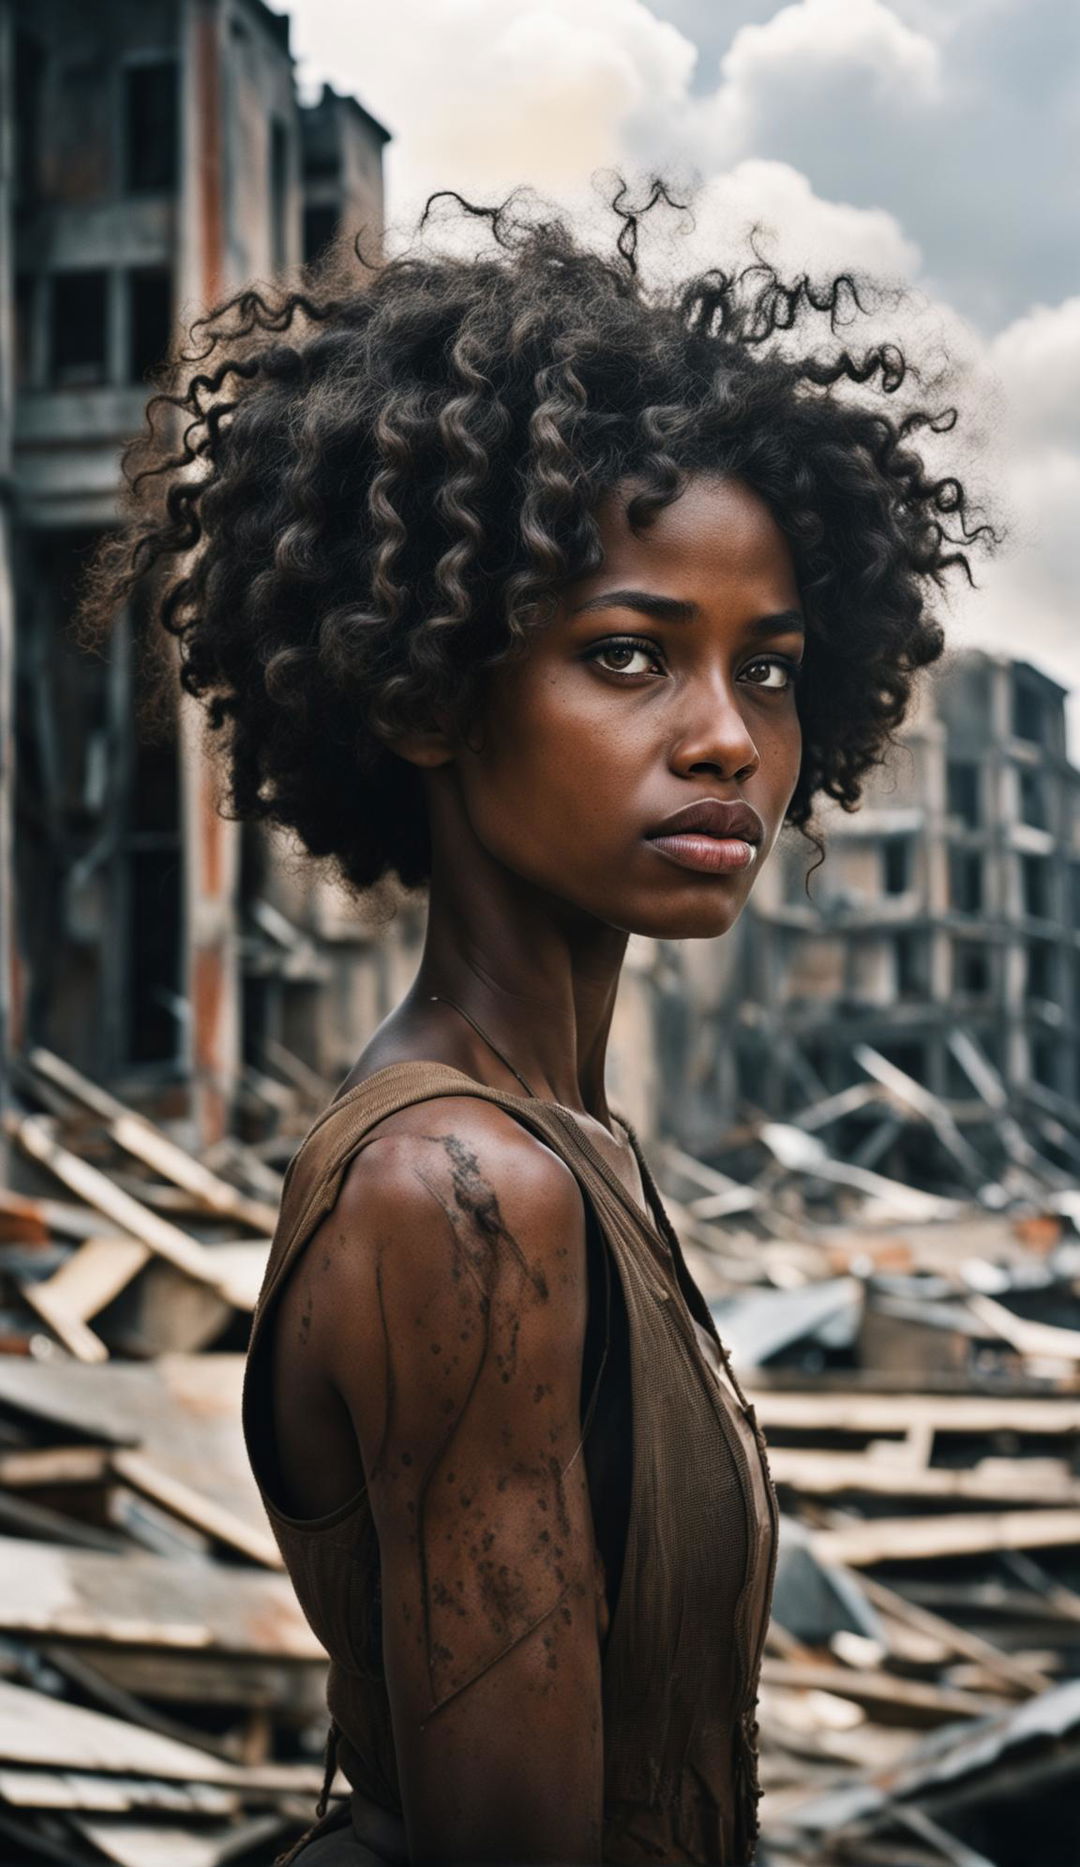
[(162, 1699), (913, 1355), (912, 1352)]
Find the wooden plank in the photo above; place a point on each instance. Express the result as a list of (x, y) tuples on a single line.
[(907, 1701), (993, 1481), (242, 1266), (54, 1465), (96, 1272), (181, 1411), (76, 1337), (955, 1852), (160, 1844), (835, 1107), (146, 1142), (925, 1104), (294, 1691), (194, 1507), (108, 1696), (1006, 1666), (917, 1539), (38, 1730), (150, 1601), (803, 1153), (35, 1135), (72, 1789), (22, 1516), (1041, 1339), (892, 1413)]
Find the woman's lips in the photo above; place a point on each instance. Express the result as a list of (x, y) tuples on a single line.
[(709, 855)]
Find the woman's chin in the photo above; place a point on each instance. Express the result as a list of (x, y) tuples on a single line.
[(695, 920)]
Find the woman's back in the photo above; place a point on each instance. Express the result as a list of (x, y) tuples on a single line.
[(680, 1637)]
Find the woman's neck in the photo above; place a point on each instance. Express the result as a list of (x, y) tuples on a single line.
[(538, 977)]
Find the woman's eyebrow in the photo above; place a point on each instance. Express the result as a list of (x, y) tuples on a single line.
[(785, 622), (678, 609), (663, 608)]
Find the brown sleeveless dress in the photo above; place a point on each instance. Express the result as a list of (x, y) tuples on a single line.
[(681, 1660)]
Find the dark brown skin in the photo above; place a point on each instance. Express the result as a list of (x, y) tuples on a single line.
[(430, 1343)]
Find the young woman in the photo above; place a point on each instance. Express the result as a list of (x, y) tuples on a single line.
[(510, 576)]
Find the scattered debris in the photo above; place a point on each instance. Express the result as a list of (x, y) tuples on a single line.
[(913, 1357), (161, 1695)]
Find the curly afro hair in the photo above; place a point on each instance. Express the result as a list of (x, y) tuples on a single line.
[(385, 480)]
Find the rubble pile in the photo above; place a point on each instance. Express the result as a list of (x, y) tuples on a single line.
[(912, 1354), (161, 1696), (914, 1361)]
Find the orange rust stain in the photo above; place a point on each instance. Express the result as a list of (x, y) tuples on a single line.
[(22, 1221), (208, 1001), (208, 92), (209, 994), (211, 835)]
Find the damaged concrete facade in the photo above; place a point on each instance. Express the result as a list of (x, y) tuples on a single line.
[(947, 908), (157, 156)]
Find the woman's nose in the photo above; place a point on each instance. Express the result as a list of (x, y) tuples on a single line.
[(714, 736)]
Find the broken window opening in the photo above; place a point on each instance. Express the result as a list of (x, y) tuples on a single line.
[(966, 881), (151, 127), (29, 75), (25, 294), (1035, 886), (1044, 1060), (149, 320), (909, 950), (1041, 969), (1029, 713), (964, 792), (896, 862), (971, 969), (320, 231), (1033, 798), (279, 194), (78, 329)]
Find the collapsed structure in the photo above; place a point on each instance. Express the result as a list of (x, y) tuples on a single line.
[(160, 158), (942, 930), (914, 1360)]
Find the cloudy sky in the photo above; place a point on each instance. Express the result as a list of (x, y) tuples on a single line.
[(935, 142)]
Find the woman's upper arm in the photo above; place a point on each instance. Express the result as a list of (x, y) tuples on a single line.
[(463, 1304)]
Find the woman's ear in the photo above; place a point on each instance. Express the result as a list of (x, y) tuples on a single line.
[(429, 741), (426, 748)]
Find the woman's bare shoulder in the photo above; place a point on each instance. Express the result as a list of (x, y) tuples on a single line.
[(464, 1158), (450, 1189)]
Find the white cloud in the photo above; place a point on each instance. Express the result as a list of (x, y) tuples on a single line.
[(801, 231), (828, 59), (1038, 360), (1027, 604), (822, 125), (485, 94)]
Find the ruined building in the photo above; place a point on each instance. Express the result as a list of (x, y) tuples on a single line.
[(156, 156), (947, 909)]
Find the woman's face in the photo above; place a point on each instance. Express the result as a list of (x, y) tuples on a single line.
[(662, 694)]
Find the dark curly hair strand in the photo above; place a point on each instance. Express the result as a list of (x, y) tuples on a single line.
[(383, 484)]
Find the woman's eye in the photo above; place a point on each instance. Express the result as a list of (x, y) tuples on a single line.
[(788, 672), (625, 656)]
